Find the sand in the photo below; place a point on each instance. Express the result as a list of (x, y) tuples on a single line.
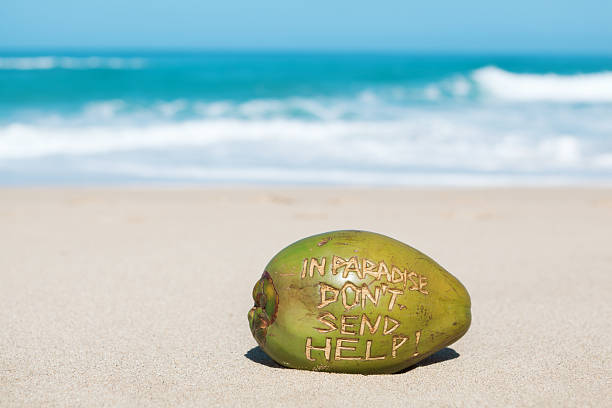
[(116, 297)]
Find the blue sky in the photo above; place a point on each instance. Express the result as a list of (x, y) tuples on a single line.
[(442, 25)]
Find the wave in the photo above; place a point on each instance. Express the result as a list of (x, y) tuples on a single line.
[(478, 89), (351, 177), (76, 63), (488, 83), (509, 86), (465, 141), (367, 105), (482, 126)]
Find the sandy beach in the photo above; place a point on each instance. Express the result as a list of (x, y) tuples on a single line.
[(139, 297)]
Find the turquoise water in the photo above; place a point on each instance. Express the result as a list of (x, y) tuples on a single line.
[(393, 119)]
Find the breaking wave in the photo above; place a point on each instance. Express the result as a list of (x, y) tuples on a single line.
[(482, 126), (509, 86), (506, 144)]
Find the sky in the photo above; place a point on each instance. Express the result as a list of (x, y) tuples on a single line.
[(382, 25)]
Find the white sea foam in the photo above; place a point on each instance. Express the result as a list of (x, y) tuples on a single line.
[(355, 177), (78, 63), (504, 85), (324, 109), (473, 141), (366, 140)]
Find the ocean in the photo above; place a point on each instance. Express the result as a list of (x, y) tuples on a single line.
[(114, 118)]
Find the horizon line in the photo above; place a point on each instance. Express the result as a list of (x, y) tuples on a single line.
[(305, 51)]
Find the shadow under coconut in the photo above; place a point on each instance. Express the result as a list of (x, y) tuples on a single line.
[(257, 355), (440, 356)]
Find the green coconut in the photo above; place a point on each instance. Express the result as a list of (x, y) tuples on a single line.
[(356, 302)]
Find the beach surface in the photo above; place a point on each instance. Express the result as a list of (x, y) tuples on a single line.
[(139, 297)]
